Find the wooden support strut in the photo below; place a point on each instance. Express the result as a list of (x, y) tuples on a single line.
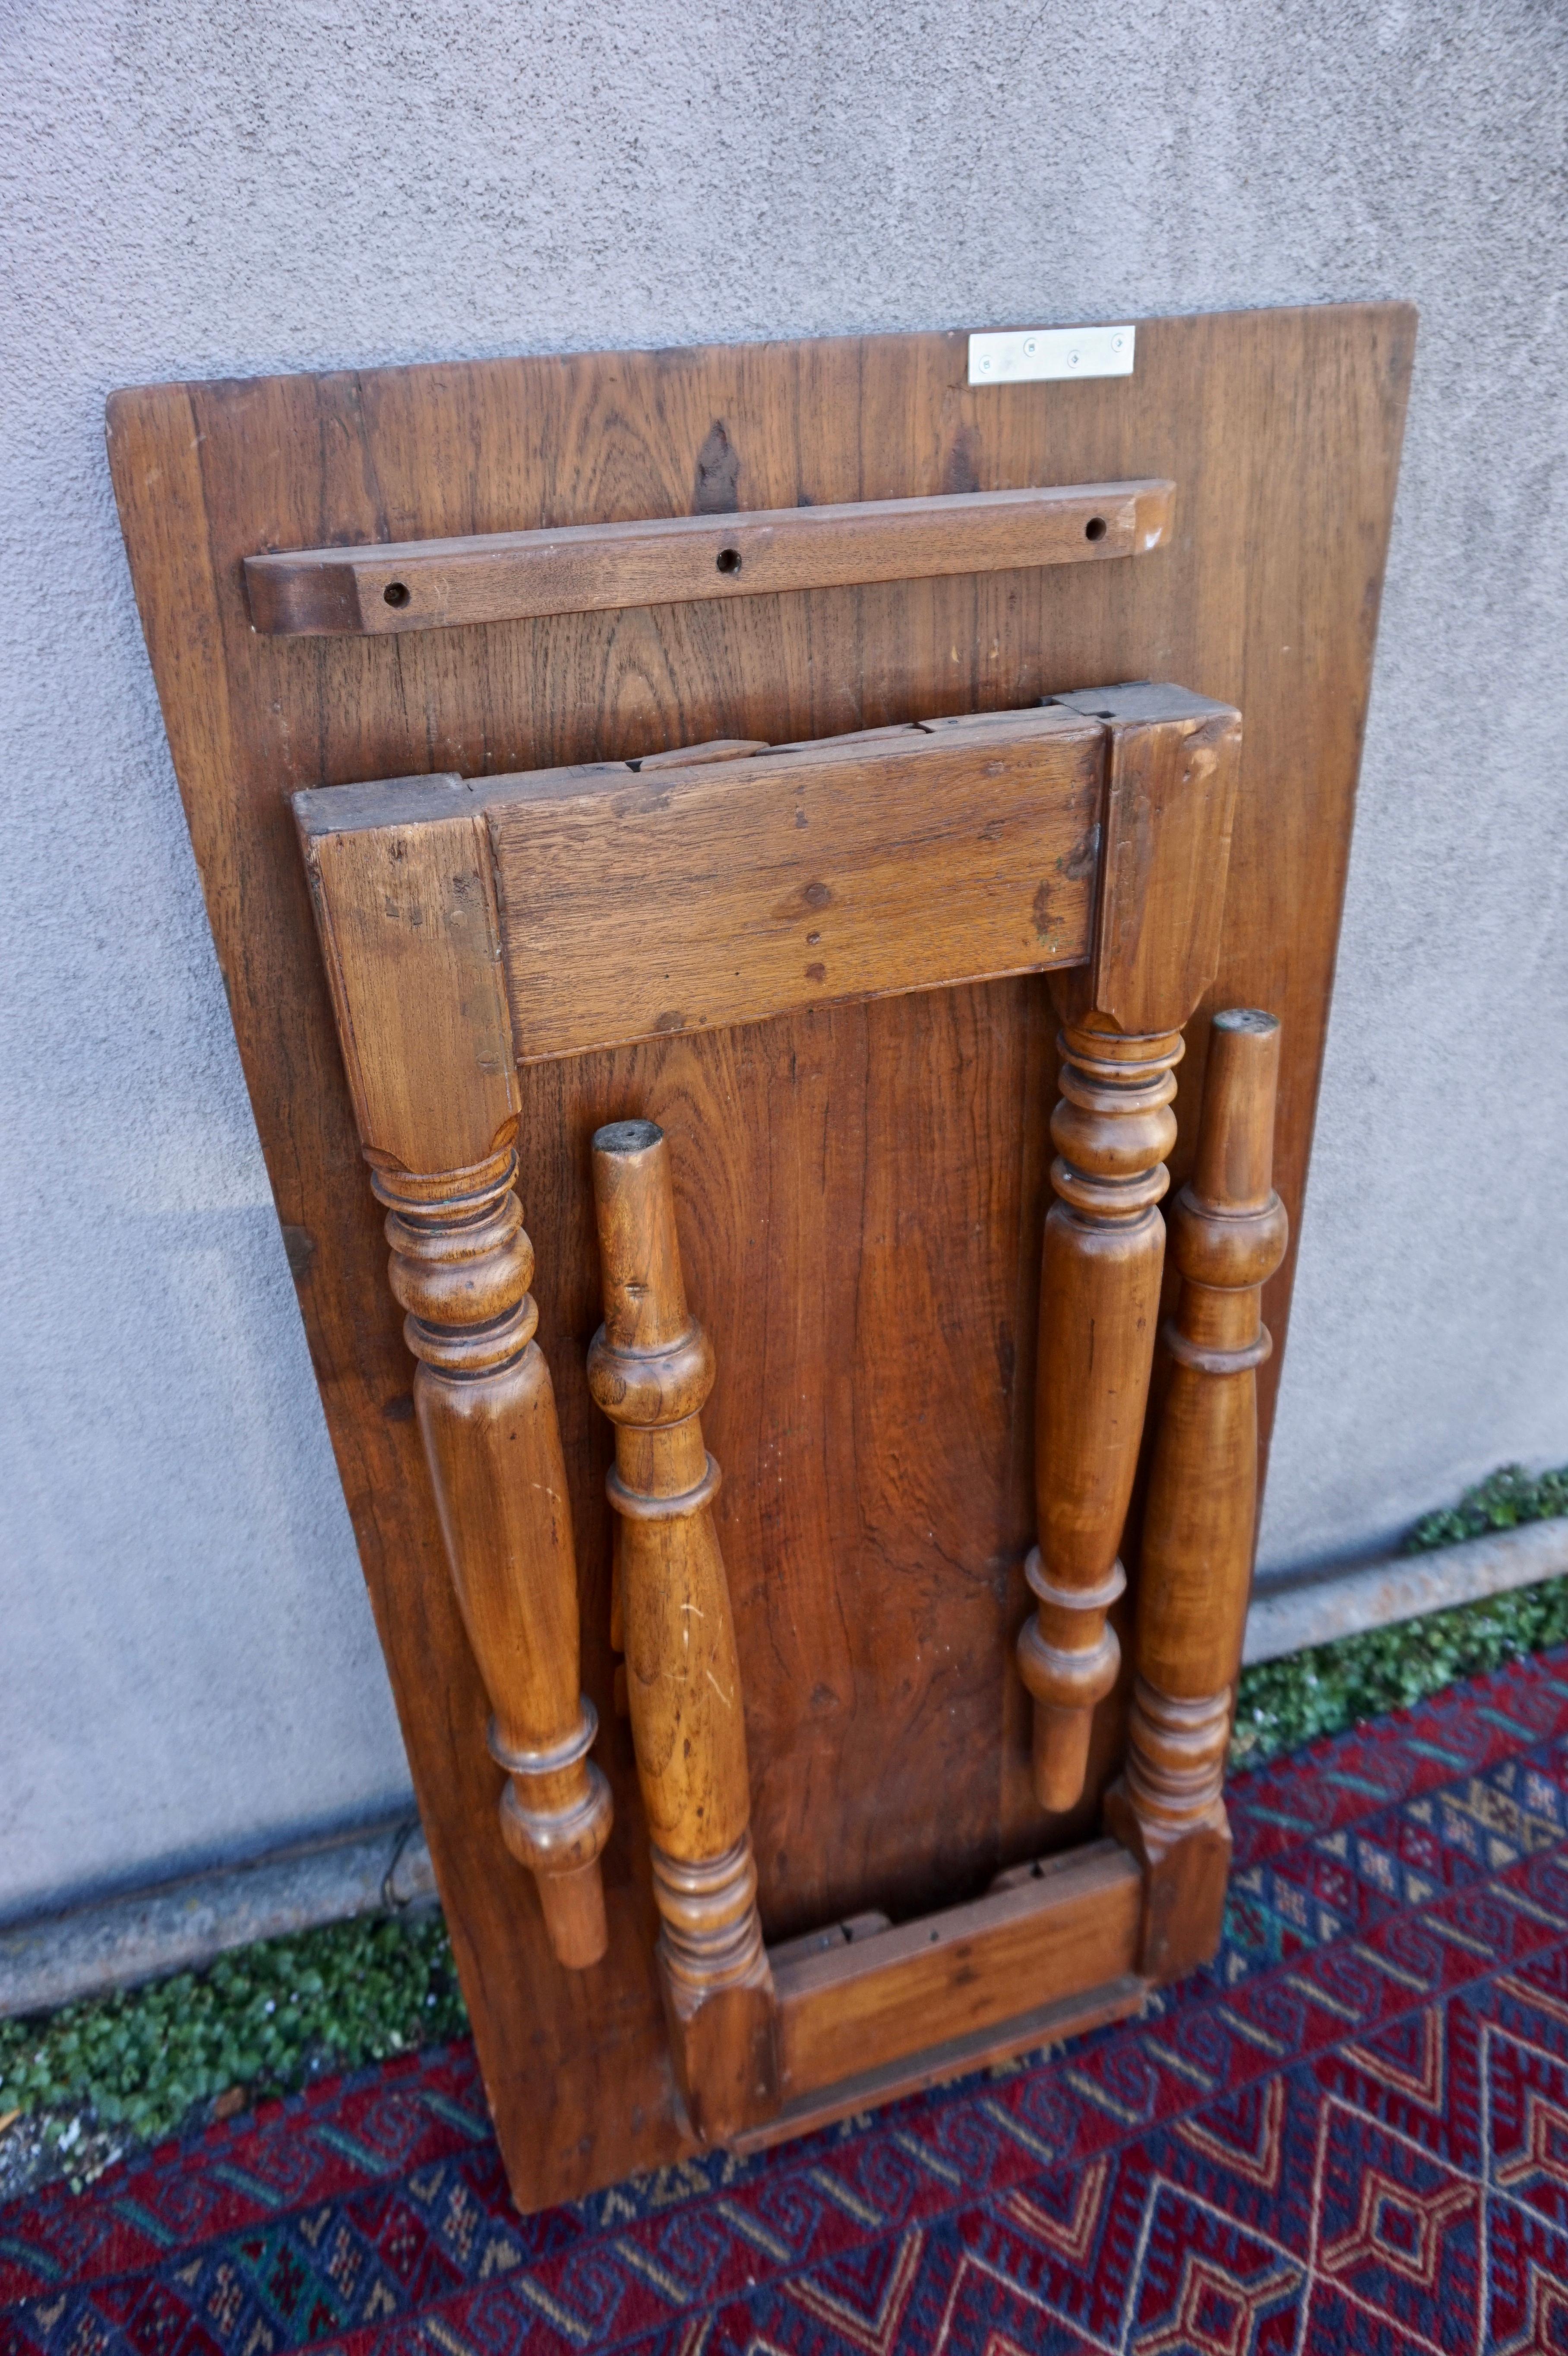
[(461, 1266), (383, 588), (650, 1369), (1228, 1234)]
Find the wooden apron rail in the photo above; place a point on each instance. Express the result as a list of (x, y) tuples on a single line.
[(507, 576)]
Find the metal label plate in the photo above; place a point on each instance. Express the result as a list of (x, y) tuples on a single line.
[(1050, 355)]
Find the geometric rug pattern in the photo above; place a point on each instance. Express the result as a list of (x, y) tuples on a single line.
[(1349, 2134)]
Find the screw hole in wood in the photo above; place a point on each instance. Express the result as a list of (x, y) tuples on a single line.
[(728, 560), (1095, 528), (396, 592)]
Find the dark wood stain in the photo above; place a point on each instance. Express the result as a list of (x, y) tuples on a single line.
[(717, 490)]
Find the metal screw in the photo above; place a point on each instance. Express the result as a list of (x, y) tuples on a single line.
[(985, 368), (1118, 343), (1072, 360), (1030, 349)]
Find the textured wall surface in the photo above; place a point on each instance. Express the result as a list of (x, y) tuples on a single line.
[(197, 188)]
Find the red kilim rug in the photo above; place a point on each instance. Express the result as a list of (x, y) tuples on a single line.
[(1351, 2134)]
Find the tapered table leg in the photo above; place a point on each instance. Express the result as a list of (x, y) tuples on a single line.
[(411, 949), (1228, 1233), (1104, 1249), (461, 1266), (651, 1368)]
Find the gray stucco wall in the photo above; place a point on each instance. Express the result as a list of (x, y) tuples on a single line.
[(197, 188)]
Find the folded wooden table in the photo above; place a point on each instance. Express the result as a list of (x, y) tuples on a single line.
[(695, 804)]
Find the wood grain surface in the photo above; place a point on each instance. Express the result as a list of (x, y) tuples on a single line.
[(866, 2003), (845, 870), (860, 1192)]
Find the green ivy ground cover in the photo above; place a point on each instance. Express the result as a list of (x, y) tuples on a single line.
[(83, 2085), (1283, 1704)]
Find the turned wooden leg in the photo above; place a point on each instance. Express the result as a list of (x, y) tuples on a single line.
[(1228, 1233), (461, 1266), (651, 1368), (1099, 1310)]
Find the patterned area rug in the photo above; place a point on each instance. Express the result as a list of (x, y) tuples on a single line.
[(1351, 2134)]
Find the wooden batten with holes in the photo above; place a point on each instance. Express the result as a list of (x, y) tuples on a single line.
[(676, 559), (728, 992)]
